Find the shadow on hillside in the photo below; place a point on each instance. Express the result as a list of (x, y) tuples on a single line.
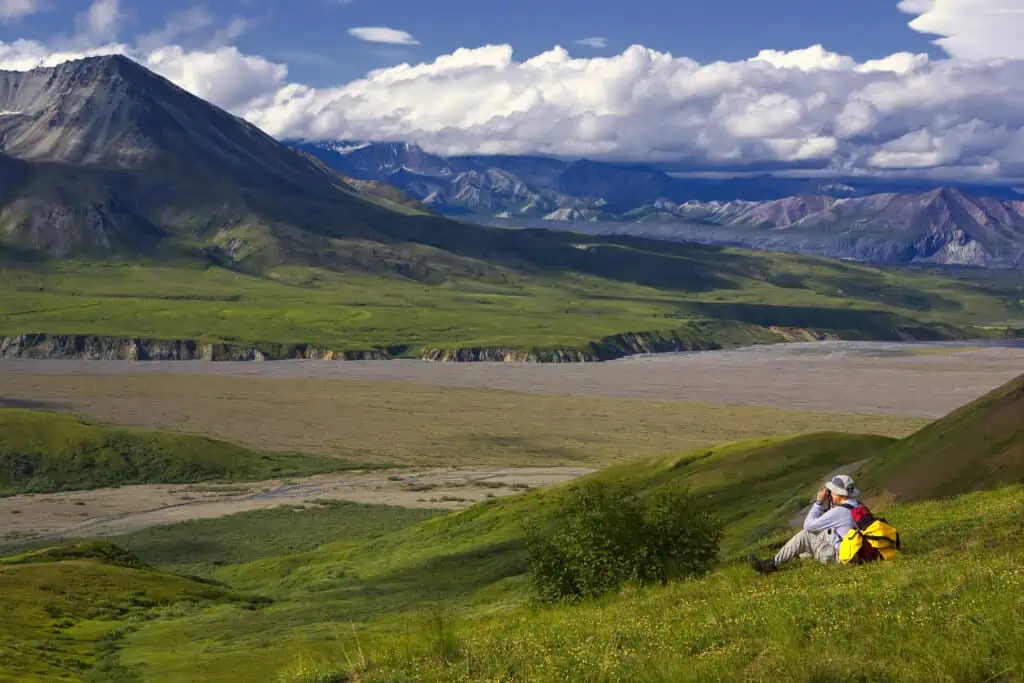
[(442, 579), (29, 404), (16, 257), (661, 265), (683, 267), (877, 290), (874, 323)]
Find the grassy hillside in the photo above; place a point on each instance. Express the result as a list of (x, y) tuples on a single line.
[(202, 547), (520, 289), (41, 452), (941, 613), (472, 562), (391, 598), (978, 446), (63, 612), (429, 603)]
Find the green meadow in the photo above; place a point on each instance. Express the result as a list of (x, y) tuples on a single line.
[(611, 286)]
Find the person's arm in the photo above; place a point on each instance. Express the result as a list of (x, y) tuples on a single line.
[(822, 521), (817, 509)]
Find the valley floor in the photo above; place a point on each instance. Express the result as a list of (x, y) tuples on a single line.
[(122, 510), (919, 379)]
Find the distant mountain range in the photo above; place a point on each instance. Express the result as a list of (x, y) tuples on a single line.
[(101, 156), (873, 220)]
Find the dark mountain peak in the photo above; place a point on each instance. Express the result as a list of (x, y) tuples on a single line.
[(99, 65), (107, 73), (113, 112)]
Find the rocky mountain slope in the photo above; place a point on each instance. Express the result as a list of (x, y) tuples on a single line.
[(944, 226), (101, 156), (867, 220)]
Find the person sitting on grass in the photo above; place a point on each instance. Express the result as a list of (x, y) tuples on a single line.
[(824, 528)]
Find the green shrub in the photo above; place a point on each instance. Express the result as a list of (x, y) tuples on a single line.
[(605, 535)]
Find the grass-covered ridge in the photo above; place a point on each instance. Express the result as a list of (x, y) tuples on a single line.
[(63, 612), (43, 452), (539, 291), (202, 547), (980, 445)]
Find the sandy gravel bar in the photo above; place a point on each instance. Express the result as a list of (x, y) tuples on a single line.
[(925, 380), (110, 512)]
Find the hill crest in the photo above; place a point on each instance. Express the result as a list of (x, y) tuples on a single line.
[(978, 446)]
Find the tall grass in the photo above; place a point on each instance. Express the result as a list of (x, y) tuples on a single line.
[(948, 610)]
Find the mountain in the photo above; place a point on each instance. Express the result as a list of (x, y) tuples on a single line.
[(944, 226), (101, 156), (878, 221), (980, 445)]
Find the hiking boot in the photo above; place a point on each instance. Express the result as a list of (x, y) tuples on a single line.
[(762, 566)]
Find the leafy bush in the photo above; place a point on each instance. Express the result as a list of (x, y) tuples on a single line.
[(605, 535)]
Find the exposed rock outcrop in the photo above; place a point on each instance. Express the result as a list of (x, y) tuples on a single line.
[(93, 347), (697, 338)]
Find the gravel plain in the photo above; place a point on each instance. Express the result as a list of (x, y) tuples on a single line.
[(921, 380), (924, 380)]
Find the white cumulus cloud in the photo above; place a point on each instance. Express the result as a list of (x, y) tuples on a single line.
[(102, 20), (383, 34), (224, 76), (808, 110), (971, 29)]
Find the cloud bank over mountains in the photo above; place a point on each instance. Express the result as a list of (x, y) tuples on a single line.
[(906, 114)]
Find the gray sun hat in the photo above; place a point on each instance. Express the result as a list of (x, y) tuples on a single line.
[(843, 485)]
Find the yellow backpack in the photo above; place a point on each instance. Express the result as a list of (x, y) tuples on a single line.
[(871, 538)]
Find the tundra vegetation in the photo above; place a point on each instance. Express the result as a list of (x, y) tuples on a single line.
[(391, 595)]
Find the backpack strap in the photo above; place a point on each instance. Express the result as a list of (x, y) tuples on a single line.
[(865, 519)]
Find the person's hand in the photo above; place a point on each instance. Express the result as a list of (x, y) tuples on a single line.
[(822, 496)]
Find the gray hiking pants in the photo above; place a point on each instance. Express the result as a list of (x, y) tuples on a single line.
[(819, 545)]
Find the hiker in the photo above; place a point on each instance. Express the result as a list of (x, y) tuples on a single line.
[(825, 526)]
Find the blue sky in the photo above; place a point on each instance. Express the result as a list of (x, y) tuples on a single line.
[(311, 37), (931, 88)]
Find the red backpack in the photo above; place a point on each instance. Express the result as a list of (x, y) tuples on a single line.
[(871, 538)]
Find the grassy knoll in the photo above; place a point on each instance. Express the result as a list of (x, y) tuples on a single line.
[(608, 286), (62, 614), (43, 452), (979, 445), (472, 561), (446, 600), (202, 547), (412, 424)]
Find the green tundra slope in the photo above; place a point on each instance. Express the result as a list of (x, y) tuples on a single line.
[(580, 301), (44, 452), (978, 446), (447, 599)]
